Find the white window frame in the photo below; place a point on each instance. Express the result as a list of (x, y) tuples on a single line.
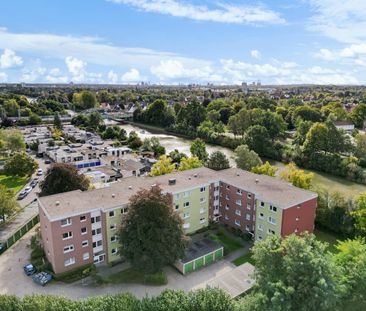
[(83, 243), (70, 235), (202, 220), (69, 248), (271, 220), (237, 222), (86, 256), (69, 262), (202, 189), (84, 220), (238, 202), (111, 214), (247, 217), (202, 200), (238, 212), (273, 208), (68, 222), (186, 204), (86, 231)]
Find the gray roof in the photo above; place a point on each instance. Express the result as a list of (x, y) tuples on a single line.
[(268, 189), (200, 248)]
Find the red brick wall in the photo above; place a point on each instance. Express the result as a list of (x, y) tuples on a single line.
[(305, 212)]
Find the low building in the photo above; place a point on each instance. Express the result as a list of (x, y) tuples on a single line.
[(82, 227), (344, 125)]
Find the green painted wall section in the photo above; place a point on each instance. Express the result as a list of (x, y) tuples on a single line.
[(202, 261), (264, 223), (196, 211)]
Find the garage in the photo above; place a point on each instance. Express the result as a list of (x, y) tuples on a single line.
[(200, 254)]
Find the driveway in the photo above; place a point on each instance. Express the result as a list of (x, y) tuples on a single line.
[(14, 282)]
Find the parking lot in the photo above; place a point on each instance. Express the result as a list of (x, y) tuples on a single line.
[(14, 281)]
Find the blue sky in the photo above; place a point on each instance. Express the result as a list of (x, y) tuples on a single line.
[(183, 41)]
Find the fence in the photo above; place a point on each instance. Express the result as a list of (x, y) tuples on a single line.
[(22, 231)]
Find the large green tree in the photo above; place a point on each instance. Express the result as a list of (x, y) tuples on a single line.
[(360, 213), (245, 158), (20, 164), (198, 149), (8, 205), (297, 177), (62, 177), (218, 161), (151, 235)]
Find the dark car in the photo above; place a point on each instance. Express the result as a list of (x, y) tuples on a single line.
[(42, 278), (22, 195), (47, 161), (29, 269), (2, 248), (33, 183)]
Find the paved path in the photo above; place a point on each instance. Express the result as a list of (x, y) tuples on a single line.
[(14, 281)]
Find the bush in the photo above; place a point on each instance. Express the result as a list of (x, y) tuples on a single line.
[(76, 274)]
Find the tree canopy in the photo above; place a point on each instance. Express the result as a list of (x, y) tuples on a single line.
[(245, 158), (20, 164), (218, 161)]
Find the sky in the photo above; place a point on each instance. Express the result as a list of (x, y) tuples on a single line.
[(183, 41)]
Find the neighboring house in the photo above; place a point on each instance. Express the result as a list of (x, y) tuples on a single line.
[(79, 228), (344, 125)]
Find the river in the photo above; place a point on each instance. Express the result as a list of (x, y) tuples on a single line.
[(171, 142)]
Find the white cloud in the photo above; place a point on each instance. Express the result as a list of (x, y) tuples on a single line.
[(255, 54), (344, 21), (77, 68), (3, 77), (223, 13), (132, 76), (34, 72), (112, 77), (9, 59), (55, 76)]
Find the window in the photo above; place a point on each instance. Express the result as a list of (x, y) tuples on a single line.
[(237, 222), (85, 243), (260, 238), (176, 196), (68, 248), (86, 256), (247, 228), (239, 191), (202, 220), (228, 187), (113, 238), (69, 261), (271, 220), (238, 202), (296, 230), (238, 212), (67, 235), (185, 215), (216, 189), (177, 206), (114, 251), (271, 231), (111, 214), (247, 217), (84, 231), (98, 243), (113, 227), (260, 227), (273, 208), (82, 218), (95, 219), (261, 215), (226, 217), (262, 204), (202, 210), (66, 222), (249, 206), (227, 197), (297, 218), (249, 195), (216, 197), (202, 200), (227, 206), (203, 189), (124, 210), (96, 231), (186, 226), (186, 204), (187, 194)]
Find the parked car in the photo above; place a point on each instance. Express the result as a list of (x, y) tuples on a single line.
[(27, 189), (29, 269), (39, 172), (22, 195), (33, 183), (47, 161), (2, 248), (42, 278)]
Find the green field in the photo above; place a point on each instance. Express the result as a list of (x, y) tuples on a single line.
[(13, 183), (243, 259), (229, 243)]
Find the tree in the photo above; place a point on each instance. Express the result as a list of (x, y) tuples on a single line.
[(177, 156), (189, 163), (8, 204), (13, 140), (20, 164), (302, 129), (152, 235), (94, 120), (162, 167), (295, 273), (360, 150), (246, 159), (358, 115), (360, 213), (351, 258), (265, 169), (57, 121), (198, 149), (257, 139), (306, 113), (218, 161), (134, 141), (297, 177), (194, 114), (62, 177), (34, 119), (158, 113), (85, 100), (153, 144)]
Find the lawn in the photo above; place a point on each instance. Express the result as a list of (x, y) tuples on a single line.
[(13, 183), (328, 237), (243, 259), (229, 243), (133, 276)]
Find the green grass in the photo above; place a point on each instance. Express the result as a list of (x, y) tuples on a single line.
[(328, 237), (133, 276), (13, 183), (229, 243), (243, 259)]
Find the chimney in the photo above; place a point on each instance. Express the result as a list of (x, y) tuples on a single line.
[(172, 181), (195, 175), (257, 181), (57, 203), (130, 187), (113, 195)]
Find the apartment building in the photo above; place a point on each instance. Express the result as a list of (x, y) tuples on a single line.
[(79, 228)]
